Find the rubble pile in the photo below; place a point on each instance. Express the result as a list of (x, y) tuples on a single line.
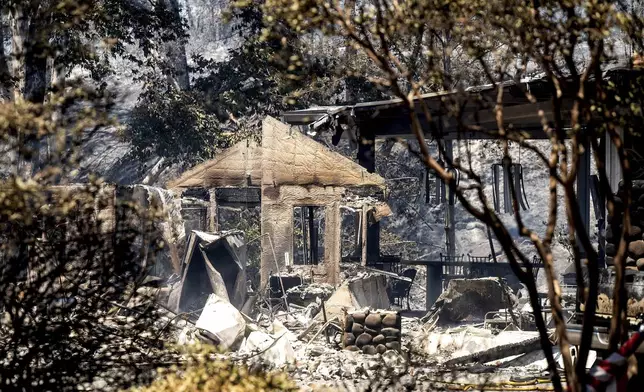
[(305, 294), (367, 348), (347, 336), (467, 344), (221, 322), (325, 367), (471, 300), (372, 332)]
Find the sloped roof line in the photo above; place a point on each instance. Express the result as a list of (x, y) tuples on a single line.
[(293, 158)]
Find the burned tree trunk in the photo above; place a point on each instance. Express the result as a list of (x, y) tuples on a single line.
[(349, 52), (19, 25), (175, 54), (29, 69), (5, 74), (35, 65)]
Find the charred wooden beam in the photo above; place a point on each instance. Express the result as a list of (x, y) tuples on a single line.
[(498, 352), (313, 236), (197, 193), (238, 197)]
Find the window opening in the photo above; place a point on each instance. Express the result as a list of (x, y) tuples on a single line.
[(308, 235), (350, 234)]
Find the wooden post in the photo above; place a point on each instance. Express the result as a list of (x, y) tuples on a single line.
[(213, 221), (497, 189), (313, 237), (363, 225), (325, 321), (433, 285), (305, 237), (450, 224), (357, 245), (583, 192)]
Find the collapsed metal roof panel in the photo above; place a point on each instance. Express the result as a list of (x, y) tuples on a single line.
[(212, 263)]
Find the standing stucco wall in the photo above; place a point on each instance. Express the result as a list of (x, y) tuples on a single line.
[(277, 236), (277, 229), (332, 247), (298, 171), (292, 158)]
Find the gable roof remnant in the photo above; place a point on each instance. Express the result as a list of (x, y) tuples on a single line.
[(285, 157), (292, 158), (237, 166)]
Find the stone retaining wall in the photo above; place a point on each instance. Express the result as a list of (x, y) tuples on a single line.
[(372, 332), (635, 254)]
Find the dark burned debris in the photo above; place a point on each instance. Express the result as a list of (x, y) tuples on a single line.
[(212, 264)]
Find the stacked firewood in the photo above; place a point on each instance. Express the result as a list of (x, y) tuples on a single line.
[(372, 332)]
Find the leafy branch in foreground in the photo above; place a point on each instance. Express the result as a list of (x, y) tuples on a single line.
[(71, 258), (203, 371)]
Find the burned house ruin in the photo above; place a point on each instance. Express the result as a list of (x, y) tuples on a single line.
[(301, 187)]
